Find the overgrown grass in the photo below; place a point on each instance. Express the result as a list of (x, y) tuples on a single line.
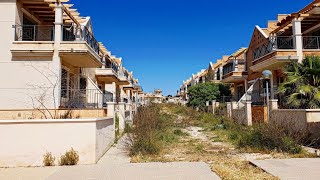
[(257, 138), (161, 136), (152, 130)]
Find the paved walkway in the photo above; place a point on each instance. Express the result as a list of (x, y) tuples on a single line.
[(114, 165), (291, 168)]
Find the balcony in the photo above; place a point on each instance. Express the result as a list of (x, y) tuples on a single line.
[(123, 77), (274, 54), (282, 49), (33, 41), (84, 98), (78, 46), (234, 73), (107, 74)]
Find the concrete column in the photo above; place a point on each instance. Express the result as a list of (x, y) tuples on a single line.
[(213, 106), (121, 115), (273, 104), (56, 61), (229, 109), (248, 113), (235, 62), (58, 23), (103, 62), (215, 75), (111, 109), (296, 31), (221, 72), (234, 105)]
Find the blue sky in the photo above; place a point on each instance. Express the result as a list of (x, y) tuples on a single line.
[(164, 41)]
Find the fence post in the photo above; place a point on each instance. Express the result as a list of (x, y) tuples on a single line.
[(229, 109), (213, 107), (248, 113), (121, 116), (273, 104)]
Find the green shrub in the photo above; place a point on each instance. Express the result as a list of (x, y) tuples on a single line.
[(289, 145), (144, 147), (266, 137), (48, 159), (69, 158)]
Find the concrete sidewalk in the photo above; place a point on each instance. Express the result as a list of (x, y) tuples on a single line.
[(114, 165), (307, 169)]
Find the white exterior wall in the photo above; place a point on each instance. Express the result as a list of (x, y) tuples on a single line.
[(22, 82), (7, 19), (20, 77), (28, 140)]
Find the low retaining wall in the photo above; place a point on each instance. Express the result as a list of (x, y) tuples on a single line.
[(46, 114), (24, 142), (297, 119)]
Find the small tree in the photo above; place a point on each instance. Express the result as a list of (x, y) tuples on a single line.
[(201, 93)]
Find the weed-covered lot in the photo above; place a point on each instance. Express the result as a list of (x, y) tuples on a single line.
[(168, 133)]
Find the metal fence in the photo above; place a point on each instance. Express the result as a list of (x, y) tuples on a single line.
[(80, 33), (84, 98), (46, 33), (34, 32), (311, 42), (274, 43)]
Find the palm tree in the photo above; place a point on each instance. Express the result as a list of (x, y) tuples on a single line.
[(302, 86)]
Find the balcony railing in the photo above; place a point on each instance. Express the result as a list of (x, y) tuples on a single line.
[(80, 33), (84, 98), (46, 33), (311, 42), (275, 43), (34, 33)]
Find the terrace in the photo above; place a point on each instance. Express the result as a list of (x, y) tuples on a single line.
[(295, 37), (40, 32)]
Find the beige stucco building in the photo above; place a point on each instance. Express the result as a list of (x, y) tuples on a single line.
[(58, 80)]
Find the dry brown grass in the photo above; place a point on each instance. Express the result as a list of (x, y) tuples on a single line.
[(224, 161), (211, 146)]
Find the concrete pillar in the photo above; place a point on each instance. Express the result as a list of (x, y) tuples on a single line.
[(234, 105), (58, 23), (121, 115), (229, 109), (221, 72), (235, 63), (56, 61), (273, 104), (296, 31), (213, 106), (215, 75), (103, 62), (248, 113), (111, 109)]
